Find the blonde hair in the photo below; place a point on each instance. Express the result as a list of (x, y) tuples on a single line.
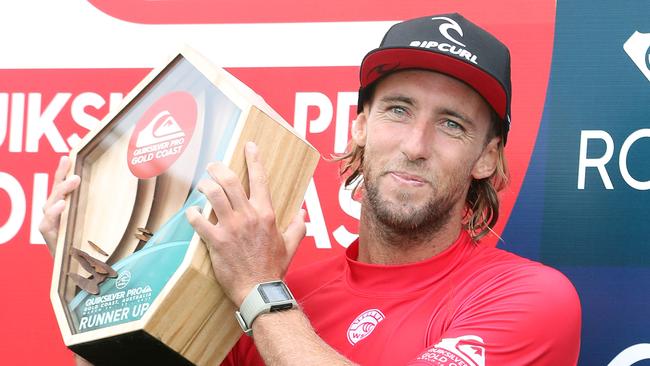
[(482, 202)]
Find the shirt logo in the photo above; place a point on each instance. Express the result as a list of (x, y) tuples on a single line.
[(466, 350), (364, 324), (445, 27)]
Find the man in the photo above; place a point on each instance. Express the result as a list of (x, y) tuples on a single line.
[(417, 287)]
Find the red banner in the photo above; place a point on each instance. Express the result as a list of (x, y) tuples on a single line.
[(45, 112)]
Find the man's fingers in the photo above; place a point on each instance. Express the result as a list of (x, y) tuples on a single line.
[(230, 184), (51, 218), (62, 169), (53, 213), (62, 186), (61, 190), (57, 208), (294, 233), (202, 226), (259, 185), (217, 198), (69, 185)]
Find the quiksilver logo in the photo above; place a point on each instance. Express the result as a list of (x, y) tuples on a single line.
[(457, 48), (167, 129), (464, 350), (364, 324)]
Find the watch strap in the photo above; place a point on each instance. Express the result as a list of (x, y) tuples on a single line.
[(256, 303)]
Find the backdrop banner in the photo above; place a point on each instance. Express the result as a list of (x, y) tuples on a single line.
[(578, 149)]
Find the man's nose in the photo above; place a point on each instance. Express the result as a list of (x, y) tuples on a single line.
[(416, 144)]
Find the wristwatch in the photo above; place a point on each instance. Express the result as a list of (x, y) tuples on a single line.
[(266, 297)]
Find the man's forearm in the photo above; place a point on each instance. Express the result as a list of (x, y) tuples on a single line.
[(287, 338)]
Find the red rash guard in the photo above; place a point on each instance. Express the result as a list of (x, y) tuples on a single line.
[(470, 305)]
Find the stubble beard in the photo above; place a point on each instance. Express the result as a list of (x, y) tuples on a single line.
[(404, 221)]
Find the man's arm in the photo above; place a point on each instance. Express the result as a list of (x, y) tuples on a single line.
[(246, 248), (287, 338)]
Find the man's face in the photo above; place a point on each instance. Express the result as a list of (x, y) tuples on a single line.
[(425, 138)]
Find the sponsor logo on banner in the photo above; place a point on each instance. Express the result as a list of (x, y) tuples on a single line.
[(466, 350), (444, 28), (631, 355), (638, 48), (364, 325), (162, 134)]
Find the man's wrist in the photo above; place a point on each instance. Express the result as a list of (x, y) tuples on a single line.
[(266, 297)]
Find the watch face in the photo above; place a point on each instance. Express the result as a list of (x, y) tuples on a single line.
[(273, 292)]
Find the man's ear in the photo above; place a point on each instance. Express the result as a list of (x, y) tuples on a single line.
[(487, 162), (359, 129)]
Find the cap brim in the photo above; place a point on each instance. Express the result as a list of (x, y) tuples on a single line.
[(383, 61)]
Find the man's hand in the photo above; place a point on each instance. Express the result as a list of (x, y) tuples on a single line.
[(247, 248), (55, 203), (245, 245)]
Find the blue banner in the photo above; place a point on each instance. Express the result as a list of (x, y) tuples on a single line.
[(583, 207)]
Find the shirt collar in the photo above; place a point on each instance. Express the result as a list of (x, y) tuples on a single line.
[(387, 280)]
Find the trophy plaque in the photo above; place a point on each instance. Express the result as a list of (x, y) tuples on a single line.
[(132, 281)]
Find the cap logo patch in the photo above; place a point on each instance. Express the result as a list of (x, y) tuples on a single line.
[(456, 47), (445, 27)]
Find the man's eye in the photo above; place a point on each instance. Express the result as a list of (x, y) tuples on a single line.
[(454, 125), (400, 111)]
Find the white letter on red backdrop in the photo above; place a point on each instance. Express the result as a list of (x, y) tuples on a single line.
[(17, 212), (42, 124), (316, 225), (17, 120), (79, 115), (344, 102), (301, 109), (39, 196), (350, 207), (4, 116)]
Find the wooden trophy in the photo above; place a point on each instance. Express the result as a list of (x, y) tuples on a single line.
[(132, 281)]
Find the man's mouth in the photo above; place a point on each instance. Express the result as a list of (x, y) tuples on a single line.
[(406, 178)]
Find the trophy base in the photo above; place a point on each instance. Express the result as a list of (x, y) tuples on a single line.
[(135, 348)]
